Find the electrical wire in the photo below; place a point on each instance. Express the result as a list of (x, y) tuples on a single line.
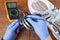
[(39, 19)]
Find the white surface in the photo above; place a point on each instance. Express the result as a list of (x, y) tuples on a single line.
[(52, 19), (49, 5)]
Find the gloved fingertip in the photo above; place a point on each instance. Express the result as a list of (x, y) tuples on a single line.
[(35, 16), (30, 15), (30, 20), (15, 26), (16, 20)]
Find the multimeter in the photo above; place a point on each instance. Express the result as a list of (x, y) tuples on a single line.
[(12, 11)]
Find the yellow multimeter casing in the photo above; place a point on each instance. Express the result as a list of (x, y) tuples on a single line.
[(12, 11)]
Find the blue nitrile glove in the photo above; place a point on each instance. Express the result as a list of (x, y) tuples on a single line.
[(39, 26), (12, 31)]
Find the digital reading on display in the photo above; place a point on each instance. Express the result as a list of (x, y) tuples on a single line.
[(11, 5)]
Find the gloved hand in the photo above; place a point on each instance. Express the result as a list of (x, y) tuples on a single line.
[(12, 31), (39, 25)]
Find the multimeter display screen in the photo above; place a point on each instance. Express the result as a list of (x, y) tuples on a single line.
[(11, 5)]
